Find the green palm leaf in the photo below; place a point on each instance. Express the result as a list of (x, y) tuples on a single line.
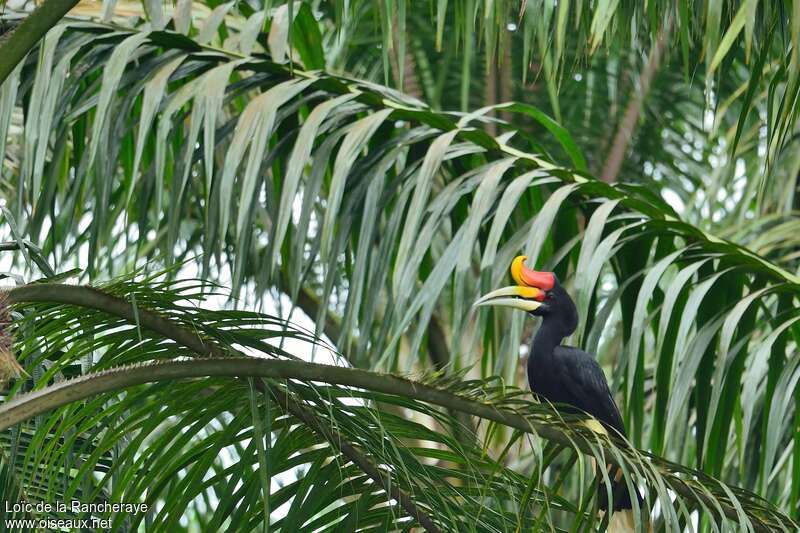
[(199, 418), (382, 220)]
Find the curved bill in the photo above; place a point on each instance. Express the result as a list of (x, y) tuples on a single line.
[(516, 297)]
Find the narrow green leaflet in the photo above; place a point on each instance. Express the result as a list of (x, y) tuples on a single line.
[(112, 73), (252, 132), (152, 97), (424, 178), (356, 140), (301, 152)]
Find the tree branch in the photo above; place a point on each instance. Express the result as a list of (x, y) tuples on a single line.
[(96, 299), (308, 302), (26, 406), (39, 401), (99, 300), (19, 41), (624, 134), (382, 479)]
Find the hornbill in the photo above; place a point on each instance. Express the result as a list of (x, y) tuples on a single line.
[(563, 374)]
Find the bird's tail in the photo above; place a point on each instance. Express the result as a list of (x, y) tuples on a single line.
[(621, 519), (622, 522), (621, 505)]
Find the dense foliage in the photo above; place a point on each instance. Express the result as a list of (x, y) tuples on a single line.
[(263, 150)]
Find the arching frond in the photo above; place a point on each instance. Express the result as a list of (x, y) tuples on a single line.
[(214, 440), (382, 220)]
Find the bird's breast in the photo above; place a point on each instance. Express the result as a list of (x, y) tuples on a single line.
[(547, 385)]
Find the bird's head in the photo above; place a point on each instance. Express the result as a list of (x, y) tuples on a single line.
[(538, 293)]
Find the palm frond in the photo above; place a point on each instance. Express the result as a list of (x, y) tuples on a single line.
[(383, 220), (335, 407)]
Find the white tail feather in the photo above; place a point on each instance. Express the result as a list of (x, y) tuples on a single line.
[(622, 522)]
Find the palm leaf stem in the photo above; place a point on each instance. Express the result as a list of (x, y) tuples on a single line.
[(214, 363), (15, 44)]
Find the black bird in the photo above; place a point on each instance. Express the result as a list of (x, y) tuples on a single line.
[(564, 374)]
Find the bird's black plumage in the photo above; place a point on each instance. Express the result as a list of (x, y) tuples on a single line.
[(574, 378), (569, 376)]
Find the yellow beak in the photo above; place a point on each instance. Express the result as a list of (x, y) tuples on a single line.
[(516, 297)]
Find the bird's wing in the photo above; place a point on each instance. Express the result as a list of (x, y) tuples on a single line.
[(589, 387)]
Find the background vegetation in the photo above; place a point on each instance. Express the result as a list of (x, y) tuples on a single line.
[(374, 167)]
